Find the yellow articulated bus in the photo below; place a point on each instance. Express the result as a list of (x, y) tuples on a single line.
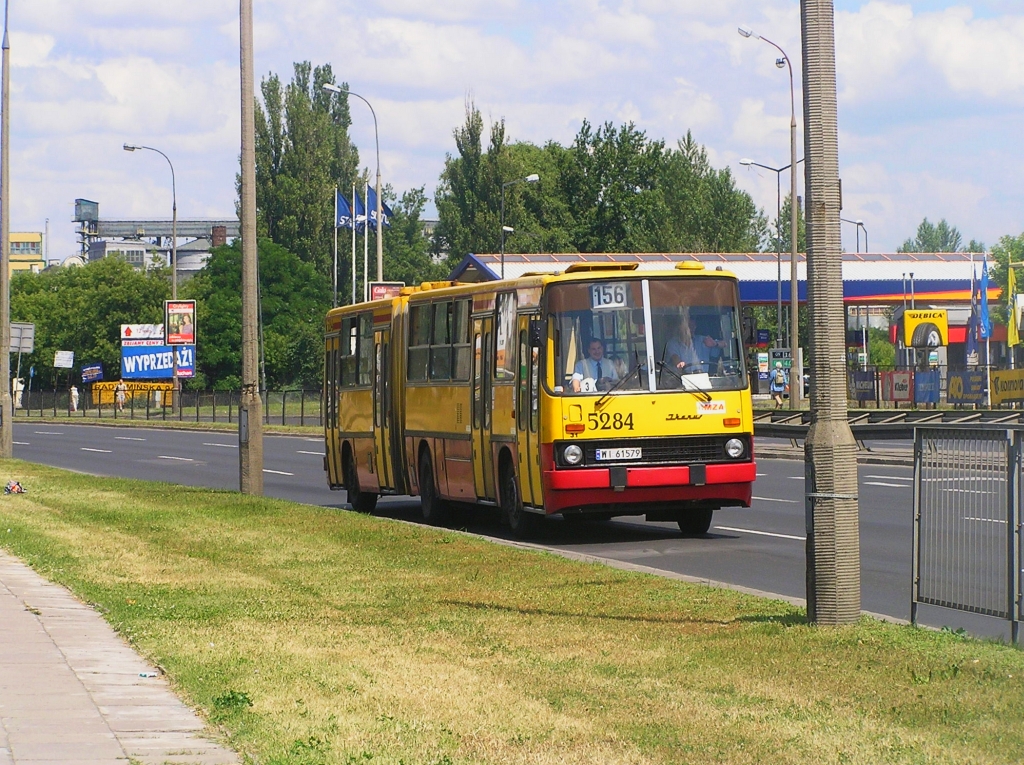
[(597, 392)]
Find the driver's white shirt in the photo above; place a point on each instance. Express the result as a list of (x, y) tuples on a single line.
[(588, 368)]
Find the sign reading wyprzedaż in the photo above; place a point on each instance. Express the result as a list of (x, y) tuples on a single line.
[(145, 357), (180, 322)]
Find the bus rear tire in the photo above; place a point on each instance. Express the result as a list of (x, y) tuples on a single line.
[(435, 510), (696, 523), (523, 524), (361, 501)]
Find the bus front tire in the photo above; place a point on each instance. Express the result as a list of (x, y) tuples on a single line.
[(435, 510), (522, 523), (696, 522), (361, 501)]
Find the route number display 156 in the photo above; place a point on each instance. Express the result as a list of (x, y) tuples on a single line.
[(606, 296)]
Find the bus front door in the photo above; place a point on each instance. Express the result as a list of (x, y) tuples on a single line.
[(527, 417), (483, 469), (381, 409)]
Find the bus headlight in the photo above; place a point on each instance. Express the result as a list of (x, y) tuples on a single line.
[(734, 448), (573, 455)]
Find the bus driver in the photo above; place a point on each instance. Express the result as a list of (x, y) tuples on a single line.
[(595, 367)]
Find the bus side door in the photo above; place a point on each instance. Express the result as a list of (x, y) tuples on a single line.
[(382, 423), (527, 416), (483, 469), (332, 403)]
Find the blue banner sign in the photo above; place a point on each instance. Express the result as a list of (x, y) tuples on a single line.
[(862, 386), (763, 337), (92, 373), (966, 388), (154, 362), (926, 387)]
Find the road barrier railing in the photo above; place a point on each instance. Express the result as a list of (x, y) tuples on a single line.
[(967, 522), (290, 407)]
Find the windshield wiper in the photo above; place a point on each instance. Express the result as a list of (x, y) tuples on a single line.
[(634, 371), (700, 393)]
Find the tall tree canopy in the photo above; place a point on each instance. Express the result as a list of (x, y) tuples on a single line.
[(303, 152), (940, 237), (82, 310), (612, 190), (294, 302)]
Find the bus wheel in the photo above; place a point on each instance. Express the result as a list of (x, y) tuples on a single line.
[(361, 501), (435, 510), (521, 522), (695, 522)]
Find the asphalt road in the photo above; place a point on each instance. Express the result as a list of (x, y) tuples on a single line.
[(761, 547)]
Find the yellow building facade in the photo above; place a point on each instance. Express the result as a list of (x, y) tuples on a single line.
[(26, 252)]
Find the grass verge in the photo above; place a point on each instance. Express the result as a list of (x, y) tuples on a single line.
[(317, 636)]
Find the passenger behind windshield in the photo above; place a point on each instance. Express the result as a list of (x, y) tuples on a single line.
[(690, 352)]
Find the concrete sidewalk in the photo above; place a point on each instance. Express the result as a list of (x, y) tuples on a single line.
[(72, 691)]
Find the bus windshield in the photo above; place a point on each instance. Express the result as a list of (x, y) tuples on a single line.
[(638, 334)]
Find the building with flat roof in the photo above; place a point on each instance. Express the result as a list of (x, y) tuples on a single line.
[(136, 253), (26, 252)]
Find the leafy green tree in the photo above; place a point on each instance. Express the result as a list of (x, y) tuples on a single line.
[(1009, 249), (82, 310), (785, 233), (407, 255), (303, 152), (940, 237), (294, 301)]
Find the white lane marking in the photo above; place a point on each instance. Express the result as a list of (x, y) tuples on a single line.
[(761, 533), (315, 454), (225, 446), (892, 477), (984, 520), (49, 432), (774, 499), (101, 451), (277, 472), (888, 485), (180, 459), (795, 477), (759, 475), (21, 443), (128, 438), (314, 440)]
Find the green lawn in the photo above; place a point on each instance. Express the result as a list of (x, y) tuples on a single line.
[(308, 635)]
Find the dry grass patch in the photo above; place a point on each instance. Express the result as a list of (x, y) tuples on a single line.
[(316, 636)]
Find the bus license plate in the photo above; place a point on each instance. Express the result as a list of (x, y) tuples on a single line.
[(618, 454)]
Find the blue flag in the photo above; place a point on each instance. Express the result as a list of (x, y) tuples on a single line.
[(344, 219), (972, 324), (360, 214), (985, 323), (371, 203)]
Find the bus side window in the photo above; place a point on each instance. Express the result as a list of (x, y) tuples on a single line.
[(505, 337), (478, 361), (523, 404), (440, 342), (419, 343), (534, 389), (460, 341), (366, 349)]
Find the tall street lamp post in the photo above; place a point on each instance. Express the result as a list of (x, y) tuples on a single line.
[(778, 237), (6, 403), (795, 391), (250, 409), (175, 401), (531, 178), (376, 138), (860, 225)]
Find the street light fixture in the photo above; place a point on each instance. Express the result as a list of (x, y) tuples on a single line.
[(778, 236), (174, 257), (331, 88), (794, 298), (531, 178), (860, 225)]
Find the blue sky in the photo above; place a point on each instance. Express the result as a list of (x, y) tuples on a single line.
[(931, 95)]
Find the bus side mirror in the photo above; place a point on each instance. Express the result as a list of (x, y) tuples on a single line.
[(536, 333)]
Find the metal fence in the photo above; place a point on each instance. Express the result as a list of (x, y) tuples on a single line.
[(967, 522), (298, 407)]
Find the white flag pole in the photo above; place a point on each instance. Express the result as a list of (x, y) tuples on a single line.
[(366, 245), (334, 272), (354, 205)]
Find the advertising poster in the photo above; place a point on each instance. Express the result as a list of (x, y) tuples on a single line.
[(145, 356), (925, 329), (381, 290), (180, 322), (926, 387), (1007, 385), (862, 386), (92, 373), (966, 388)]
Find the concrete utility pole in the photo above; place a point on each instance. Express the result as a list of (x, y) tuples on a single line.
[(6, 408), (830, 451), (250, 408)]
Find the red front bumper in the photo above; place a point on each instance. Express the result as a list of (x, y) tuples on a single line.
[(729, 483)]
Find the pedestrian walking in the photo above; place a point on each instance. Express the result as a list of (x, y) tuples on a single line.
[(74, 398), (779, 384), (120, 395)]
